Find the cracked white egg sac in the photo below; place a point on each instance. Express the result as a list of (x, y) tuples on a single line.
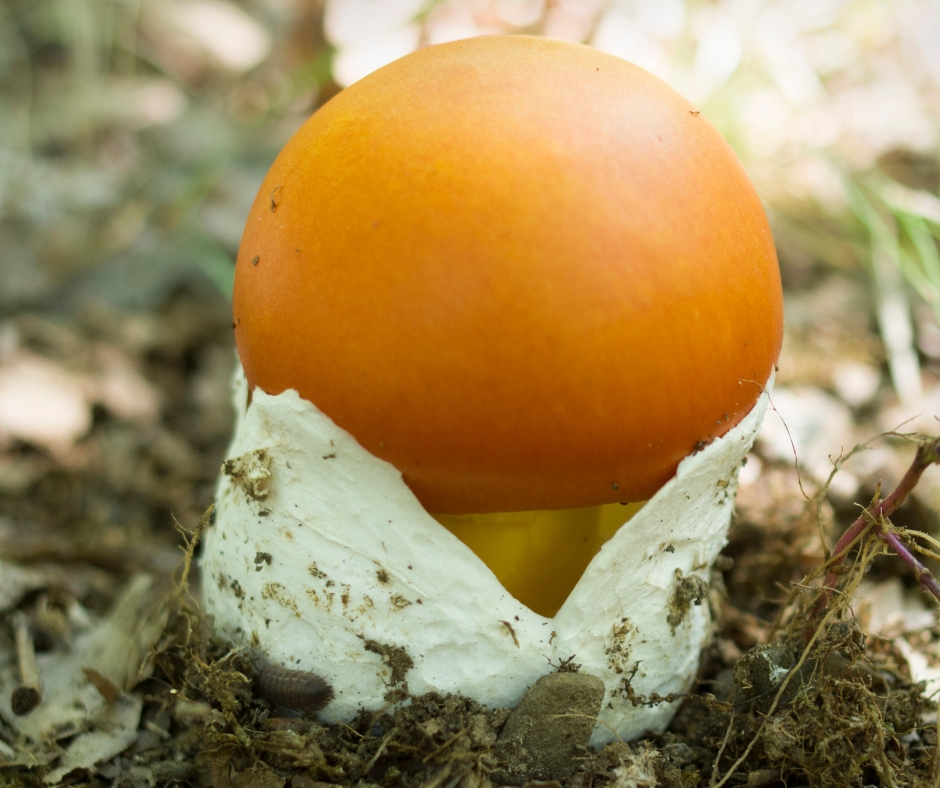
[(322, 559)]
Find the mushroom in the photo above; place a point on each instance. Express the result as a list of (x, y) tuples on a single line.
[(485, 297)]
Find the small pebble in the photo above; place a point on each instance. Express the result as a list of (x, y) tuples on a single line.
[(550, 728)]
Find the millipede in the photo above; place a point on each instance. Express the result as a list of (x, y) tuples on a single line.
[(294, 689)]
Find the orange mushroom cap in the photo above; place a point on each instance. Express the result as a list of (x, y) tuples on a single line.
[(527, 273)]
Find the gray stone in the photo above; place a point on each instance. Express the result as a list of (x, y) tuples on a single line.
[(550, 728)]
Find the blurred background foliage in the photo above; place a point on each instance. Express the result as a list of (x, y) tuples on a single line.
[(134, 135)]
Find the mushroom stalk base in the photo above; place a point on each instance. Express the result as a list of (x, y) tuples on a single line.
[(321, 559)]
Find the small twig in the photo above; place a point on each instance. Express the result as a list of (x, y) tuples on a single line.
[(352, 730), (444, 746), (716, 769), (28, 695), (837, 466), (442, 775), (927, 581), (910, 539), (461, 773), (191, 541), (378, 754), (928, 453)]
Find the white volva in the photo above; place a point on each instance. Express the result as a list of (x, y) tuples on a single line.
[(322, 559)]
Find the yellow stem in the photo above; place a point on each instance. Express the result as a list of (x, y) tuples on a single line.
[(539, 556)]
